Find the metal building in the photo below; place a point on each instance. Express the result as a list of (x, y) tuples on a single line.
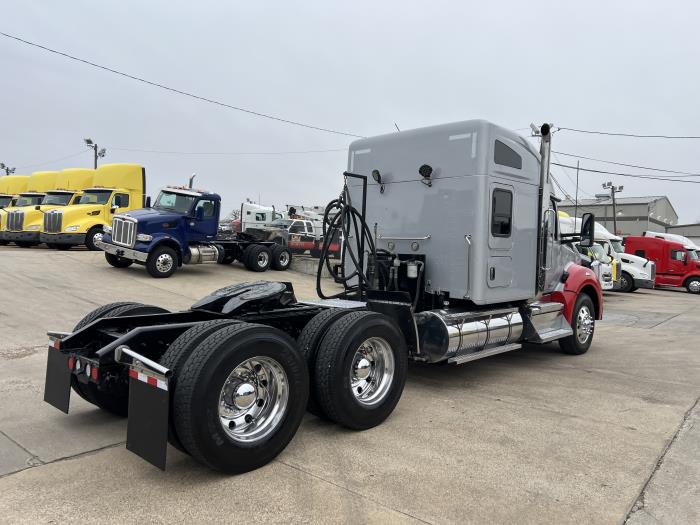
[(635, 215)]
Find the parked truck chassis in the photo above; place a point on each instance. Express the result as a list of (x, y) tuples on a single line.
[(228, 380)]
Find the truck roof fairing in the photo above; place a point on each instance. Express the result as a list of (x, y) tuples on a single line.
[(119, 176)]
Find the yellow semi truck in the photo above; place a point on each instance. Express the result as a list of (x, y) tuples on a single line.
[(10, 188), (69, 185), (115, 187), (38, 184)]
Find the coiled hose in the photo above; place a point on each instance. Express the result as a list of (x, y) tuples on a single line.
[(343, 221)]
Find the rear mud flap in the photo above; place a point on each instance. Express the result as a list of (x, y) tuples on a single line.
[(147, 428), (58, 376)]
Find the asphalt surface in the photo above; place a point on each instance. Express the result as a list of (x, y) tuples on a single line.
[(532, 436)]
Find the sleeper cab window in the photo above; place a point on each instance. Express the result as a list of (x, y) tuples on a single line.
[(506, 156), (501, 212)]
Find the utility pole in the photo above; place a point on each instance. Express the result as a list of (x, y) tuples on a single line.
[(98, 152), (613, 190), (6, 169), (576, 201)]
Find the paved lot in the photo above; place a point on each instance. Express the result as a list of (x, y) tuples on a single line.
[(532, 436)]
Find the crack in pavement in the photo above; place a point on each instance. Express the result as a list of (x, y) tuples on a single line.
[(640, 503), (57, 460), (351, 491)]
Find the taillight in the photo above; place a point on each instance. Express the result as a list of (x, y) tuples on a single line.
[(93, 373), (71, 362)]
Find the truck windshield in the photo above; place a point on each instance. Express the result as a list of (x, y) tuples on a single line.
[(599, 253), (95, 197), (281, 223), (57, 199), (174, 202), (28, 200), (693, 255), (5, 201), (617, 246)]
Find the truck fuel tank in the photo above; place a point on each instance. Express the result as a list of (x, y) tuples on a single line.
[(203, 253), (445, 334)]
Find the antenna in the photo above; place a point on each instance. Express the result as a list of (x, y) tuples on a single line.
[(397, 128)]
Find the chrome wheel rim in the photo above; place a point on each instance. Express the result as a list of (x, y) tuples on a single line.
[(253, 399), (97, 237), (164, 262), (623, 282), (372, 371), (584, 325), (284, 258), (694, 286), (263, 259)]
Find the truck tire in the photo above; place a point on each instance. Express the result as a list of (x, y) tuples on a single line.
[(162, 262), (626, 283), (308, 343), (94, 234), (361, 369), (176, 355), (118, 262), (116, 404), (240, 397), (693, 285), (258, 258), (281, 258), (583, 325)]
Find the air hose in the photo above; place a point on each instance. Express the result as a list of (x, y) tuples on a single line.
[(345, 223)]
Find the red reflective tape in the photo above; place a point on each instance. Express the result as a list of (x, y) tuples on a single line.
[(94, 372), (133, 373), (152, 381)]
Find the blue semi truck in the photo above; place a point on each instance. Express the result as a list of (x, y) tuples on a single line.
[(181, 228)]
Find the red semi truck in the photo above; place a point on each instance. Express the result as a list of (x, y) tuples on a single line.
[(676, 265)]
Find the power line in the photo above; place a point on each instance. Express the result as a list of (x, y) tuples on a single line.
[(52, 161), (635, 135), (232, 153), (570, 179), (179, 91), (628, 165), (633, 175)]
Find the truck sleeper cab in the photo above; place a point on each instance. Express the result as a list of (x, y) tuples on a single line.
[(69, 185), (181, 228), (115, 187), (229, 379), (10, 188), (38, 184), (677, 265)]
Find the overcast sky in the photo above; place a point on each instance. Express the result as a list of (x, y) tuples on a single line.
[(356, 67)]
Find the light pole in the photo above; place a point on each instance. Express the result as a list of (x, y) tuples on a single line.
[(613, 190), (6, 169), (98, 152)]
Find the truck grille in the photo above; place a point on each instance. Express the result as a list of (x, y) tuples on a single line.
[(123, 231), (53, 221), (653, 270), (15, 221)]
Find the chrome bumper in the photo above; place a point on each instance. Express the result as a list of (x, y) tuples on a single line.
[(122, 251)]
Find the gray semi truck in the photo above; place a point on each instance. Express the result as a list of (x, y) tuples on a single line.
[(451, 253)]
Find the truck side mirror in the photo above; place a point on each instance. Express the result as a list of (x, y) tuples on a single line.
[(199, 213), (148, 202), (113, 209), (587, 230), (37, 207)]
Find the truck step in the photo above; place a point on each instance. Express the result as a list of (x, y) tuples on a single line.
[(473, 356), (553, 335)]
